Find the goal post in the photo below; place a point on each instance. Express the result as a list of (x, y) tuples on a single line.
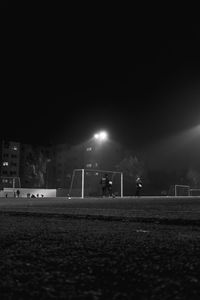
[(181, 190), (86, 183), (195, 192), (10, 183)]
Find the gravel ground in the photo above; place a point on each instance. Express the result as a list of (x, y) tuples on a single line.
[(63, 257)]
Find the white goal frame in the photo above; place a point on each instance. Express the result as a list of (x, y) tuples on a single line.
[(13, 180), (194, 190), (92, 170), (181, 185)]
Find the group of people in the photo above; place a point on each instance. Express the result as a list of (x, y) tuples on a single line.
[(106, 185), (17, 194), (33, 196)]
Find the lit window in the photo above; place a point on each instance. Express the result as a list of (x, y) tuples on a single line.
[(15, 148), (5, 163), (89, 149)]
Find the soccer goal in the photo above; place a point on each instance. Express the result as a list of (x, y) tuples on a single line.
[(194, 192), (182, 190), (86, 183), (9, 185), (10, 182)]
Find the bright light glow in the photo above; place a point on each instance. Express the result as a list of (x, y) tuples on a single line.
[(101, 136), (96, 136)]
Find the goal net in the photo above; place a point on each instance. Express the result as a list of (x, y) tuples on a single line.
[(86, 183), (10, 182), (194, 192), (182, 190), (9, 185)]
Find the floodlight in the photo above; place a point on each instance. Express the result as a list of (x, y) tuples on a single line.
[(103, 135)]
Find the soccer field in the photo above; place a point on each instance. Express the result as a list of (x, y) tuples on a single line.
[(100, 248), (56, 256), (186, 208)]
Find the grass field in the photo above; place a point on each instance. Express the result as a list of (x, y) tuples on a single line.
[(161, 208), (146, 248)]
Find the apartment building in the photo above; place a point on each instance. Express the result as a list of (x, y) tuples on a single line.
[(9, 163)]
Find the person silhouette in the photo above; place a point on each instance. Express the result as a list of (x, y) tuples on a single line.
[(104, 185), (138, 186)]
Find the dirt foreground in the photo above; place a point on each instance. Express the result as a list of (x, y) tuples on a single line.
[(63, 257)]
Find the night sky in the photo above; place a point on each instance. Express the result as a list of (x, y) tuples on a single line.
[(141, 84)]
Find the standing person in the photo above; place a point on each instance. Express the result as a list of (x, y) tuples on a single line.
[(104, 184), (18, 193), (138, 186), (110, 188)]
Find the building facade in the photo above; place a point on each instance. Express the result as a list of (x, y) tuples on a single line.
[(9, 163), (52, 167), (38, 166), (102, 156)]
